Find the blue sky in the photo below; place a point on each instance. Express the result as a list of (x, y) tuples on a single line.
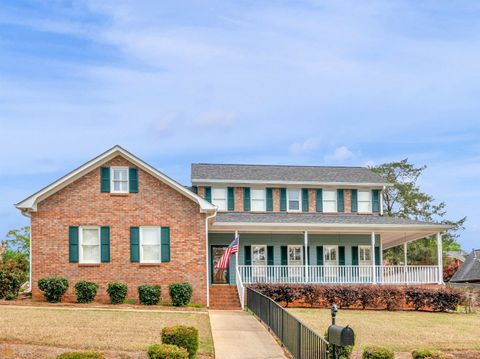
[(291, 82)]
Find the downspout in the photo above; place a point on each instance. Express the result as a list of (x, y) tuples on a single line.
[(207, 266)]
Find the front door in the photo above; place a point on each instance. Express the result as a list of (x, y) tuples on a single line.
[(219, 276)]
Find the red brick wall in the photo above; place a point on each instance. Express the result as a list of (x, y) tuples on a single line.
[(156, 204), (347, 200), (238, 193)]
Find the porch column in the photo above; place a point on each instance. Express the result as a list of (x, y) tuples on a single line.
[(405, 262), (440, 257), (305, 238), (374, 270)]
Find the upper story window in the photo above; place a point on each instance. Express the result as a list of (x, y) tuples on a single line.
[(89, 245), (329, 201), (219, 198), (293, 200), (119, 179), (150, 244), (257, 198), (364, 201)]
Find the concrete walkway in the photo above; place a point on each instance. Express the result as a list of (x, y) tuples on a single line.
[(238, 335)]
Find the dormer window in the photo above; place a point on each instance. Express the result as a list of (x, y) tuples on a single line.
[(293, 200), (219, 198), (119, 180), (364, 201)]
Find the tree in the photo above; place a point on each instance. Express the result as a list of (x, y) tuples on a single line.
[(405, 199), (16, 247)]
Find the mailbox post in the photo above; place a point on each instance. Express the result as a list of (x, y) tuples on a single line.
[(339, 336)]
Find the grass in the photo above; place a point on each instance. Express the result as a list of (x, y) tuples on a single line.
[(402, 331), (96, 329)]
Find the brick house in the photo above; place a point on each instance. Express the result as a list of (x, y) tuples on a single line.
[(116, 218)]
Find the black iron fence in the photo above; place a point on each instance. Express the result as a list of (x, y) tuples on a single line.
[(300, 341)]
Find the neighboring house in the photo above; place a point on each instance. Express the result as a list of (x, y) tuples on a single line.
[(469, 271), (116, 218), (457, 256)]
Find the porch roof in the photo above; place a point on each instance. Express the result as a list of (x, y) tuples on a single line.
[(393, 231)]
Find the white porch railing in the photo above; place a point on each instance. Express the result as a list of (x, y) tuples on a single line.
[(338, 274), (240, 288)]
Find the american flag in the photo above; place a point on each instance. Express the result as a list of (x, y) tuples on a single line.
[(225, 259)]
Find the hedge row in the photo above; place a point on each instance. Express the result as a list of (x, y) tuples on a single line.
[(364, 296), (54, 288)]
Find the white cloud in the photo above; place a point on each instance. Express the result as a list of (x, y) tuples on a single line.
[(340, 154), (307, 146), (216, 118)]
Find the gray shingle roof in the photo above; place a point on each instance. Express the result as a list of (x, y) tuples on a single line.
[(321, 218), (470, 269), (278, 173)]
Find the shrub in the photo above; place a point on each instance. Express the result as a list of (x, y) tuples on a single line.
[(11, 280), (442, 300), (180, 293), (86, 291), (117, 292), (367, 296), (428, 354), (310, 294), (391, 297), (53, 288), (166, 351), (377, 353), (149, 294), (417, 297), (182, 336), (343, 352), (80, 355)]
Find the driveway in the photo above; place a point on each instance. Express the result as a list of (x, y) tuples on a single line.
[(237, 334)]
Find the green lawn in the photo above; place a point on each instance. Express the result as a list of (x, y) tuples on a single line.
[(96, 329), (402, 331)]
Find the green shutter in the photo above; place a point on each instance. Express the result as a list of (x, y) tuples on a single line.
[(354, 193), (248, 255), (105, 179), (231, 198), (341, 255), (246, 198), (377, 256), (134, 244), (284, 255), (376, 200), (283, 199), (133, 180), (73, 244), (105, 244), (269, 199), (208, 194), (354, 256), (165, 239), (270, 255), (305, 199), (308, 255), (340, 201), (319, 255), (303, 255), (319, 200)]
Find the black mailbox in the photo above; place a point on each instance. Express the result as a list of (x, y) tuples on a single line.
[(341, 336)]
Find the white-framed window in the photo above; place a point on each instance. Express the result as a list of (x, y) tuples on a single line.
[(294, 198), (259, 255), (219, 198), (295, 255), (150, 244), (365, 255), (119, 179), (89, 245), (329, 201), (257, 199), (330, 255), (364, 199)]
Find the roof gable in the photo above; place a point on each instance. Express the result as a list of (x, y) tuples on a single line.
[(470, 270), (30, 203), (240, 173)]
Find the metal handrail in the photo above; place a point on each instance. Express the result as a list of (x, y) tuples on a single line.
[(301, 341)]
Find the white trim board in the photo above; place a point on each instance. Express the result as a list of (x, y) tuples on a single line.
[(30, 203)]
